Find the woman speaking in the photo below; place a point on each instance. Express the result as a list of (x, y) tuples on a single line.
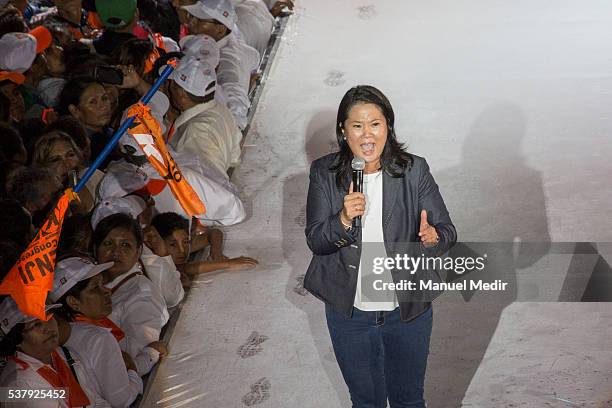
[(381, 346)]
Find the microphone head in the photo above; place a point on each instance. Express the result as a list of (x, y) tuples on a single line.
[(358, 163)]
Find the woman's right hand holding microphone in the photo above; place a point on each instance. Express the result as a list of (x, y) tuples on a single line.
[(354, 205)]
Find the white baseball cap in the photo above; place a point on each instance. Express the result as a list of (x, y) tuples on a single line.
[(18, 50), (70, 271), (195, 76), (221, 10), (131, 205), (201, 46), (11, 315)]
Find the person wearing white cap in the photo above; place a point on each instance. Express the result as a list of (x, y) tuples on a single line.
[(156, 260), (136, 174), (255, 23), (205, 48), (205, 127), (87, 332), (217, 18), (35, 361), (17, 53), (139, 308)]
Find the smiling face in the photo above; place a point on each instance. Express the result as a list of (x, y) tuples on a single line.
[(365, 129), (40, 338), (94, 301), (119, 246), (62, 159)]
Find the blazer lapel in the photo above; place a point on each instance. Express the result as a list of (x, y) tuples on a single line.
[(391, 186)]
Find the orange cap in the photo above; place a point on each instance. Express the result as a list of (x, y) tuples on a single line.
[(43, 38), (14, 77)]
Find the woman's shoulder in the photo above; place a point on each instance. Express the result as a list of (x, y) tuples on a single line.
[(324, 162)]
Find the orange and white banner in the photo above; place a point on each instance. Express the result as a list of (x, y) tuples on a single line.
[(147, 132), (31, 277)]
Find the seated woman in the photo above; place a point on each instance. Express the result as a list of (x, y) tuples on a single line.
[(89, 334), (174, 229), (35, 361), (138, 306), (58, 152), (156, 261)]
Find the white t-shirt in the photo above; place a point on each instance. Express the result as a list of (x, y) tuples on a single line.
[(372, 233), (140, 310), (15, 377), (97, 349), (163, 273)]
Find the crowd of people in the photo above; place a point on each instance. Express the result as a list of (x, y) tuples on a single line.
[(128, 250)]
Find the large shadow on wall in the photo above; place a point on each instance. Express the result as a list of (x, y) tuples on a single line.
[(494, 197), (320, 140)]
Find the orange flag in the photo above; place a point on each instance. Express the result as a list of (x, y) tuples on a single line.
[(31, 277), (147, 132)]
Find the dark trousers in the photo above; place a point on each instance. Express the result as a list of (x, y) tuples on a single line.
[(381, 357)]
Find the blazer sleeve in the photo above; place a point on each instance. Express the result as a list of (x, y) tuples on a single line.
[(431, 200), (325, 233)]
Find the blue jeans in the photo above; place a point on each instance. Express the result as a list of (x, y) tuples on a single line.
[(381, 357)]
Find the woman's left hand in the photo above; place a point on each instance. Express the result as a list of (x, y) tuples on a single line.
[(427, 233)]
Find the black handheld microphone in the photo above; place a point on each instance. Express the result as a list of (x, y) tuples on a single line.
[(358, 164)]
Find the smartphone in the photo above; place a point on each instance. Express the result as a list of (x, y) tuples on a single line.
[(108, 74)]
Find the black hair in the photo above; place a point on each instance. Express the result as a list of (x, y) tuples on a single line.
[(16, 222), (133, 52), (10, 141), (10, 252), (75, 55), (161, 17), (66, 312), (76, 236), (72, 92), (5, 108), (8, 344), (72, 127), (111, 222), (163, 60), (167, 223), (24, 184), (394, 159), (30, 130), (11, 21)]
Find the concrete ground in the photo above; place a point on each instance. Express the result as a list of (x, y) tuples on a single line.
[(509, 102)]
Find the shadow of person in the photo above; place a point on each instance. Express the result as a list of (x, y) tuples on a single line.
[(496, 200), (320, 139)]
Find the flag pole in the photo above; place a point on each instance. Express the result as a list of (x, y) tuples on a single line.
[(122, 129)]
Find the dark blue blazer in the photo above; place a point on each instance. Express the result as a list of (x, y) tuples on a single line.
[(332, 274)]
